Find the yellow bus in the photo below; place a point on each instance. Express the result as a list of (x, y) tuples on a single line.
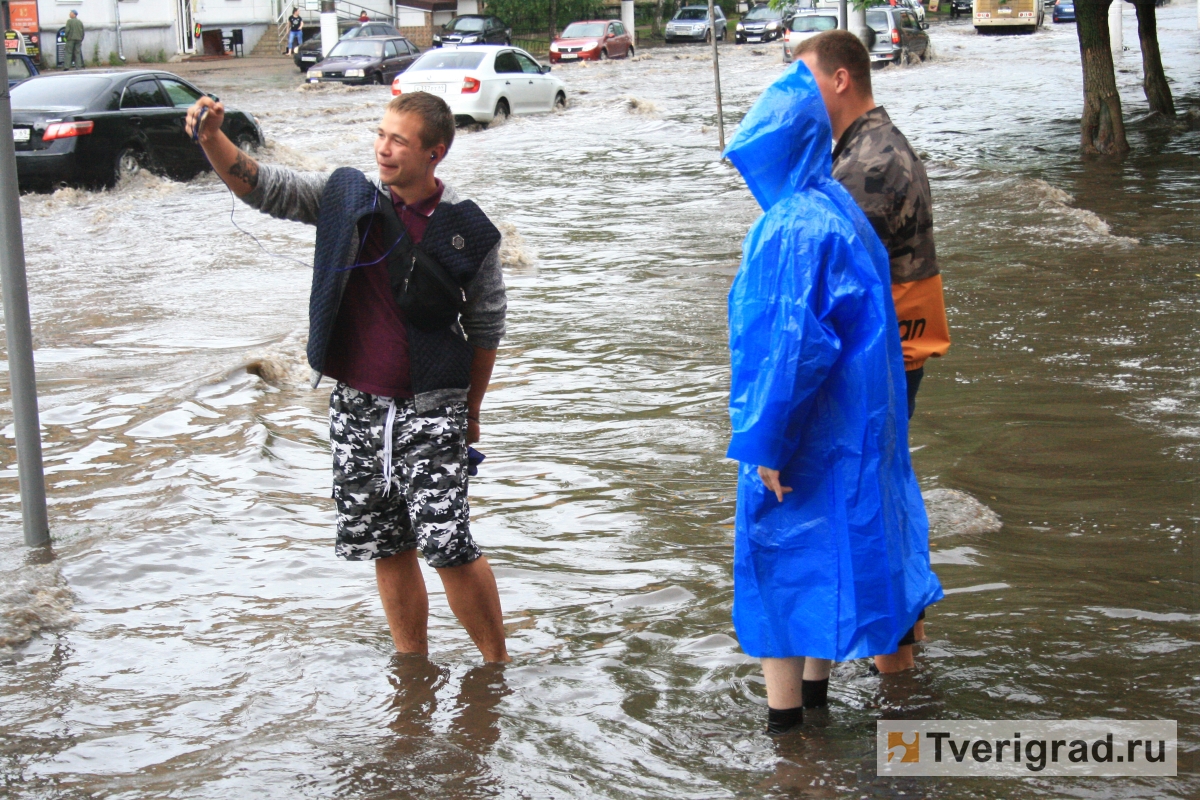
[(1025, 16)]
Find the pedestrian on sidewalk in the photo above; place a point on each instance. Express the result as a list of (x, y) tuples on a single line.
[(364, 17), (295, 31), (406, 311), (74, 30), (831, 551), (876, 164)]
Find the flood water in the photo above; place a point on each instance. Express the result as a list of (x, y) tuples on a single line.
[(192, 635)]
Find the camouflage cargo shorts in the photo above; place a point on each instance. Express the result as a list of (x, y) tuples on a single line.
[(410, 495)]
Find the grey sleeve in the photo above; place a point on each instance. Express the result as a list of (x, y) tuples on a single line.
[(287, 194), (487, 304)]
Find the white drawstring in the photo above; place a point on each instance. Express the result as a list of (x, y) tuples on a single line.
[(387, 446)]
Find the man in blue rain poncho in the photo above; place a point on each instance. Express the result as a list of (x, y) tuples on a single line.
[(831, 559)]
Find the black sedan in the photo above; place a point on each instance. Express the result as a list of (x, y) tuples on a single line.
[(373, 60), (93, 127), (473, 29)]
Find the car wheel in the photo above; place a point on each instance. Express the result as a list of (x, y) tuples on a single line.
[(379, 78), (246, 142), (129, 162), (707, 37), (560, 101), (631, 53), (604, 55), (501, 113)]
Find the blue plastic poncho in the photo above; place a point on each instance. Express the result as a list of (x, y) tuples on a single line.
[(840, 569)]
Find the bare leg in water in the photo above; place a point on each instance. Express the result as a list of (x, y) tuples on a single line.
[(470, 590)]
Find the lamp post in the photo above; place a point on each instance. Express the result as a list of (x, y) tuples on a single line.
[(22, 380), (712, 19)]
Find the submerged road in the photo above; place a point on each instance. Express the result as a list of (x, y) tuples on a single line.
[(192, 635)]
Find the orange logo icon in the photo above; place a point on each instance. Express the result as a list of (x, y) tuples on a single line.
[(912, 750)]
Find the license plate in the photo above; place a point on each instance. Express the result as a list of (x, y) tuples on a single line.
[(309, 58), (1004, 11), (450, 45), (20, 134), (753, 38), (569, 56), (433, 88)]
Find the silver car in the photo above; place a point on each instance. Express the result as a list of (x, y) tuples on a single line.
[(692, 24)]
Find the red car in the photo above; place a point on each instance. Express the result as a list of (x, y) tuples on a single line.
[(593, 40)]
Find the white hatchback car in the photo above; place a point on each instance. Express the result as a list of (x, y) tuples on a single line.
[(483, 82), (802, 26)]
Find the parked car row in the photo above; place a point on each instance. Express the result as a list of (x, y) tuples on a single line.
[(92, 127)]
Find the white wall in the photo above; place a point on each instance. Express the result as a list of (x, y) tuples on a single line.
[(148, 26), (410, 17)]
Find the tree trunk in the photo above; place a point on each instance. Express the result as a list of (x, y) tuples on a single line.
[(553, 20), (1102, 129), (656, 30), (1154, 80)]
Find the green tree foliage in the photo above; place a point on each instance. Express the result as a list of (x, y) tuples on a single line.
[(534, 16)]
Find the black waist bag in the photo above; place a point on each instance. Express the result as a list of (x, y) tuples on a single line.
[(424, 291)]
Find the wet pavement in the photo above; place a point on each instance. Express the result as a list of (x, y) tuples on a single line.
[(191, 634)]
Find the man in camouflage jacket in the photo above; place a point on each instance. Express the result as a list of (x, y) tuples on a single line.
[(884, 175)]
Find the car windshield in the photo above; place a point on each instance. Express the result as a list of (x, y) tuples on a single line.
[(452, 59), (74, 91), (813, 23), (357, 48), (879, 21), (17, 69), (692, 13), (580, 30), (762, 12), (465, 25)]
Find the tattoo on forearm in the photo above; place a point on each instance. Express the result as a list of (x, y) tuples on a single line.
[(245, 169)]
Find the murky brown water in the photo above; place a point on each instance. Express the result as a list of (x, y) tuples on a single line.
[(193, 636)]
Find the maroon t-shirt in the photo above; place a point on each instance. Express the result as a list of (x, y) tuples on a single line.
[(369, 347)]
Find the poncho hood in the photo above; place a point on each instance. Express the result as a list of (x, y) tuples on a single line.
[(785, 141)]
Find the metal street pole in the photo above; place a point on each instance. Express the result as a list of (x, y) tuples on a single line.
[(842, 19), (22, 382), (712, 19)]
